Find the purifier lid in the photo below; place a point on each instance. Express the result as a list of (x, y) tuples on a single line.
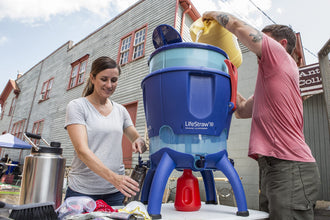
[(165, 34)]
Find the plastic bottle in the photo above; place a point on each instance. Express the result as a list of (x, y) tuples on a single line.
[(138, 174), (187, 196)]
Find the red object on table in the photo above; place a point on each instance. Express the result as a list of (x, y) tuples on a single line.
[(102, 206), (187, 196)]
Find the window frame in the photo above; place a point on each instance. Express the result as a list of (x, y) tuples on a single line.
[(132, 45), (79, 77), (45, 89), (138, 44), (36, 129), (18, 132), (12, 106)]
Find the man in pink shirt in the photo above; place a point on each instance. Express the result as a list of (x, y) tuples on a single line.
[(289, 176)]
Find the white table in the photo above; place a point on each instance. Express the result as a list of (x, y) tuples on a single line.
[(208, 212)]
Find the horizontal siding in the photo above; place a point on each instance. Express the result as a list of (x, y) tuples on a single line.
[(317, 136), (244, 49)]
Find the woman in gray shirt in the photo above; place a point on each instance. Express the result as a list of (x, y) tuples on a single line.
[(96, 125)]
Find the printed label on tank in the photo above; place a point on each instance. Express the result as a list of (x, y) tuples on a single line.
[(198, 125)]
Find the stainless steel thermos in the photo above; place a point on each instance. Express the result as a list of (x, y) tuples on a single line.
[(43, 174)]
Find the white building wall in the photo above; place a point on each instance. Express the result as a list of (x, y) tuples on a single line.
[(239, 134)]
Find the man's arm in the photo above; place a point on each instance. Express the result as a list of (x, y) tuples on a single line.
[(244, 107), (246, 34)]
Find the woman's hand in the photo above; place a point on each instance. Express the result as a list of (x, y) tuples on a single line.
[(126, 185), (139, 145)]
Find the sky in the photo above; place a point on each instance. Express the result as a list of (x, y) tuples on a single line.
[(30, 30)]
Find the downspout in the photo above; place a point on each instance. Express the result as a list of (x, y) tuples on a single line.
[(176, 13), (34, 96), (183, 17)]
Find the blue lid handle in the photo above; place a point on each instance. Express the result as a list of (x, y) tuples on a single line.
[(165, 34)]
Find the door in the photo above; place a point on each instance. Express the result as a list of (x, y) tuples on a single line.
[(126, 144)]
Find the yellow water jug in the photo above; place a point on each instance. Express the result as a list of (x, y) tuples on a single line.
[(211, 32)]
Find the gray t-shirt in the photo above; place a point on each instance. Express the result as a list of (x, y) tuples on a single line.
[(104, 139)]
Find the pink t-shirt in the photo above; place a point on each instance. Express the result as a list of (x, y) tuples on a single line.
[(277, 118)]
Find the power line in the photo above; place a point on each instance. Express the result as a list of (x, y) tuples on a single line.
[(310, 52), (262, 11)]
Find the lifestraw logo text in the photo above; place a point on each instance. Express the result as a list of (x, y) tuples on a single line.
[(198, 125)]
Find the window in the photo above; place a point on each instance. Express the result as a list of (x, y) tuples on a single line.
[(18, 128), (132, 46), (124, 52), (78, 72), (139, 43), (46, 87), (12, 106), (37, 129)]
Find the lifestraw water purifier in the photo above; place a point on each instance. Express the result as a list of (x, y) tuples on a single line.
[(189, 98)]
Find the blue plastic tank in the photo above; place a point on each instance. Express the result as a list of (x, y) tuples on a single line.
[(187, 99), (188, 55)]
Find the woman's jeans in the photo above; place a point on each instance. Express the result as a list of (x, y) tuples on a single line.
[(112, 199)]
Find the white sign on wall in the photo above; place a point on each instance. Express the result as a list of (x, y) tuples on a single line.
[(310, 80)]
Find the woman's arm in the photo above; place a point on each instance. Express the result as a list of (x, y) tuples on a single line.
[(78, 136), (138, 143), (244, 107)]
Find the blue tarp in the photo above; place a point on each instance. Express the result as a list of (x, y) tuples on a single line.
[(10, 141)]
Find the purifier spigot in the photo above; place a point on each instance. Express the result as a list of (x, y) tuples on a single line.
[(200, 163)]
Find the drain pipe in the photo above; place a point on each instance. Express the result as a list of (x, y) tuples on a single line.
[(34, 95), (183, 18), (176, 13)]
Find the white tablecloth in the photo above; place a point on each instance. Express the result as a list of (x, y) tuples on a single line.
[(208, 212)]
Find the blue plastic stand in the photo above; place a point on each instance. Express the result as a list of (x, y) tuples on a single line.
[(164, 161), (209, 186)]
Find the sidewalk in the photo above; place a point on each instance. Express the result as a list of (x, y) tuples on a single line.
[(9, 193), (322, 210)]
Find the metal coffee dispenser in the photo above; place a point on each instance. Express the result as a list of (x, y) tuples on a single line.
[(43, 173)]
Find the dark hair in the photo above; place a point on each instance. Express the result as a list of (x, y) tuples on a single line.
[(100, 64), (280, 32)]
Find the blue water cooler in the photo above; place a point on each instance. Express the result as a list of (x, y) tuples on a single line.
[(189, 97)]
